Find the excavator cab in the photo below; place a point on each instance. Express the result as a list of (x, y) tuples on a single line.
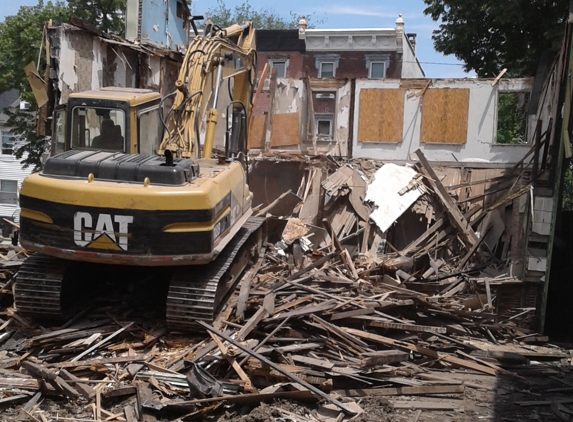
[(123, 120)]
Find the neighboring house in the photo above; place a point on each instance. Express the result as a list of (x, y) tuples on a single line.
[(316, 70), (11, 172)]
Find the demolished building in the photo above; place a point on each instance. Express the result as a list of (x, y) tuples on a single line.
[(403, 257)]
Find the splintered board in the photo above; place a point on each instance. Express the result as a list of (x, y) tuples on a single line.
[(285, 130), (445, 115), (381, 115)]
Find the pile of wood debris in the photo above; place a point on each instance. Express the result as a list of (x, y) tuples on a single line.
[(330, 312)]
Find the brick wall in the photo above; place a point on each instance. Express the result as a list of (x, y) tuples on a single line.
[(352, 64)]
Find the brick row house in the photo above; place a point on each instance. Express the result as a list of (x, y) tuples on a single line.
[(316, 70)]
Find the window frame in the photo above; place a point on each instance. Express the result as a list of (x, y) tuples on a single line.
[(11, 142), (322, 59), (383, 63), (273, 61), (324, 117), (321, 70), (74, 116), (147, 111), (8, 193)]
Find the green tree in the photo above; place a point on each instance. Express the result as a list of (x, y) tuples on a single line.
[(21, 38), (106, 15), (224, 16), (489, 35)]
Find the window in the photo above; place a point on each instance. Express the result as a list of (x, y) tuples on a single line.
[(326, 65), (323, 124), (326, 70), (59, 132), (9, 192), (281, 65), (512, 117), (376, 64), (377, 70), (7, 143), (150, 131), (98, 128), (324, 106)]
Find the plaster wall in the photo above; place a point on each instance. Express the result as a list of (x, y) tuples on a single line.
[(480, 145)]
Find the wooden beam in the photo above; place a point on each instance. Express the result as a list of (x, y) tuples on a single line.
[(402, 391), (466, 232)]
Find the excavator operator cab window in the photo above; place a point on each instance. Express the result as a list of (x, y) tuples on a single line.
[(150, 130), (98, 128)]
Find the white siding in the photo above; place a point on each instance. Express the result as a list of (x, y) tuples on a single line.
[(11, 169)]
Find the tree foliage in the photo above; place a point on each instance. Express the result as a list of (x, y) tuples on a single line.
[(490, 35), (224, 16), (20, 41), (106, 15), (21, 38)]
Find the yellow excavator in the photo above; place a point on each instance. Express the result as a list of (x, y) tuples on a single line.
[(127, 186)]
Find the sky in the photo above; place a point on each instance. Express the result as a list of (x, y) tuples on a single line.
[(339, 14)]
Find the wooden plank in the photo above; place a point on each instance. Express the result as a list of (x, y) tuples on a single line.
[(285, 130), (383, 357), (234, 364), (408, 327), (353, 313), (276, 367), (90, 362), (456, 216), (318, 363), (269, 117), (261, 314), (381, 115), (246, 285), (84, 389), (445, 116), (402, 391), (428, 405), (101, 343), (422, 350)]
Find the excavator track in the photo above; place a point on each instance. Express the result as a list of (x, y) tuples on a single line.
[(195, 292), (38, 288)]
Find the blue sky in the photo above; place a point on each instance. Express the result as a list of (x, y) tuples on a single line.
[(340, 14)]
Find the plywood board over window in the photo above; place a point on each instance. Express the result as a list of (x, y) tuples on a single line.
[(381, 115), (285, 130), (445, 115)]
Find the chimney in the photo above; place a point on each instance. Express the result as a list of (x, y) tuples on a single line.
[(302, 24)]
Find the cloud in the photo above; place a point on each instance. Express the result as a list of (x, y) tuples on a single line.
[(359, 11)]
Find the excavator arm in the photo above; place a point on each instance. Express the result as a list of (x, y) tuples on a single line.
[(211, 59)]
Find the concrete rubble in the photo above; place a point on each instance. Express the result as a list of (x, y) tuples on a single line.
[(351, 310)]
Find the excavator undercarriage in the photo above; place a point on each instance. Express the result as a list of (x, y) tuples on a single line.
[(55, 288)]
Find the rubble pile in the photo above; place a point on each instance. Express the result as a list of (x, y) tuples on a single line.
[(331, 312)]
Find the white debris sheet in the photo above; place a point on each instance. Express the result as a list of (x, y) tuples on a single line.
[(384, 193)]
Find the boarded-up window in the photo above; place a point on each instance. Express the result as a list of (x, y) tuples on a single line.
[(445, 115), (284, 130), (381, 115)]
